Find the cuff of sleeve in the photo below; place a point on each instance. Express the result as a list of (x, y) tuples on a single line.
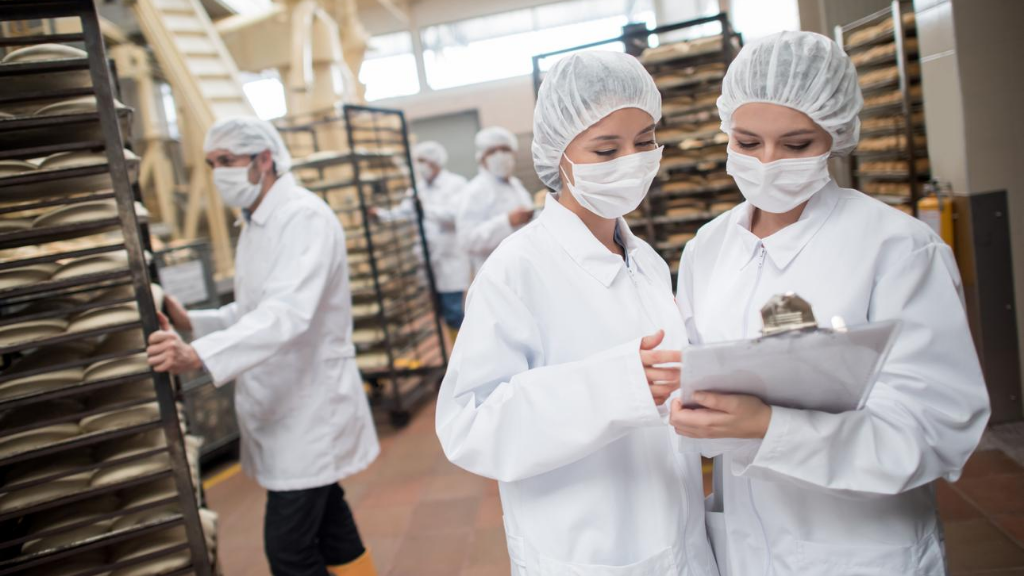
[(687, 445), (635, 393), (771, 447), (204, 322), (216, 370)]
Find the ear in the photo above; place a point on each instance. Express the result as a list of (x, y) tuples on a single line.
[(264, 162)]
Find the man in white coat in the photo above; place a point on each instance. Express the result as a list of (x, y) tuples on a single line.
[(495, 204), (440, 193), (286, 341)]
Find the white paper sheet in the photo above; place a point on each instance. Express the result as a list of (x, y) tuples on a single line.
[(818, 370)]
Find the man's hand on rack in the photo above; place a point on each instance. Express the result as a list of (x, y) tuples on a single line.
[(168, 353), (374, 213), (177, 313), (520, 216)]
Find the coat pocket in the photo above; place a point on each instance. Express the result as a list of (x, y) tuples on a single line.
[(516, 551), (661, 564)]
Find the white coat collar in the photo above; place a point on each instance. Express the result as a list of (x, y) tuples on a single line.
[(580, 244), (783, 246), (276, 196)]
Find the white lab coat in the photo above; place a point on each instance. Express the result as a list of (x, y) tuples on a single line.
[(483, 217), (545, 392), (286, 340), (842, 494), (440, 200)]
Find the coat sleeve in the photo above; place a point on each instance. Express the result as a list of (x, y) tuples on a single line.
[(406, 210), (207, 321), (309, 252), (478, 231), (503, 414), (925, 415)]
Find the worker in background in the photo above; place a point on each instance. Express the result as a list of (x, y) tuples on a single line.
[(495, 203), (440, 194), (557, 386), (808, 492), (286, 341)]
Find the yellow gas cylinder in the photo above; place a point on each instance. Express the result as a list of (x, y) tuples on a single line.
[(937, 211)]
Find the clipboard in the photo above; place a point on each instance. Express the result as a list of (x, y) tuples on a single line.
[(810, 368)]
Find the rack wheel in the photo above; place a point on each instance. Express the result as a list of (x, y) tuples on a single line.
[(399, 418)]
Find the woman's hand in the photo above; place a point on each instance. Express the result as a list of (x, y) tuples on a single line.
[(722, 416), (662, 381)]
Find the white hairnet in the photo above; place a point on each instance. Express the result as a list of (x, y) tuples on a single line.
[(431, 152), (804, 71), (577, 93), (493, 137), (247, 135)]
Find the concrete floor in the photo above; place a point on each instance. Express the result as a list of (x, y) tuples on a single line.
[(422, 516)]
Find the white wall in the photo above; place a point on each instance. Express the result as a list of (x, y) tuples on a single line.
[(507, 103)]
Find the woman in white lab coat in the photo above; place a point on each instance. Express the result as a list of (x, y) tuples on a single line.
[(552, 388), (810, 492)]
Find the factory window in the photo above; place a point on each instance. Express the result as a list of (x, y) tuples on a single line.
[(265, 93), (502, 45), (756, 18), (389, 67)]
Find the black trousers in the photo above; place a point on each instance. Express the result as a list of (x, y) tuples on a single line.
[(305, 531)]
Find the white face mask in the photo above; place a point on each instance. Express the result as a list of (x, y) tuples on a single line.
[(778, 186), (500, 164), (234, 186), (614, 188), (424, 172)]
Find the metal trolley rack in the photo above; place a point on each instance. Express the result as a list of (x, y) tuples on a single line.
[(397, 325), (891, 161), (94, 473), (692, 186)]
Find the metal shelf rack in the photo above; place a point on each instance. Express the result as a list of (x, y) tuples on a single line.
[(898, 173), (54, 478), (689, 76), (398, 333)]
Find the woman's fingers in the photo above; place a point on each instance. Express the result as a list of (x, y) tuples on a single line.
[(652, 341), (662, 375), (653, 357)]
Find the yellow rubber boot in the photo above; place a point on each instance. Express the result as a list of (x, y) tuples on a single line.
[(362, 566)]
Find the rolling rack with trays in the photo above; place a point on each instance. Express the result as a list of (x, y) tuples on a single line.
[(891, 160), (397, 324), (95, 474), (692, 187)]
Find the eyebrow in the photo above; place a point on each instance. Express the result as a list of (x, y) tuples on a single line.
[(801, 132), (617, 137)]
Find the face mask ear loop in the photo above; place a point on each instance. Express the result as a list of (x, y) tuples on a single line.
[(562, 170)]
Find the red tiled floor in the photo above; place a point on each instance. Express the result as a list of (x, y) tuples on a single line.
[(995, 494), (977, 545), (990, 463), (422, 516), (952, 506)]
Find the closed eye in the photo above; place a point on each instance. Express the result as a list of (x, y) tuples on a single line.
[(798, 147), (605, 152), (747, 145)]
